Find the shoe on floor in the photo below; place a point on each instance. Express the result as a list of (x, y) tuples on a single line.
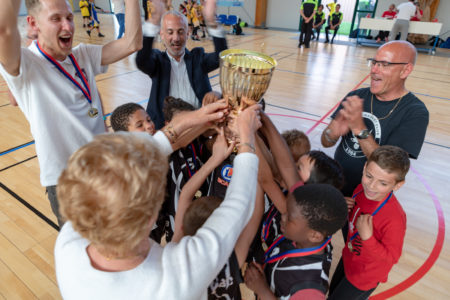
[(101, 35), (88, 32)]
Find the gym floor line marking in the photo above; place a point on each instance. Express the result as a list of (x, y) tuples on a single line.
[(290, 116), (117, 75), (17, 163), (30, 207), (334, 107), (16, 148)]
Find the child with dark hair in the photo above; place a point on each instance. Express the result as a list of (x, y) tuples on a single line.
[(131, 117), (377, 226), (297, 141), (298, 262), (191, 215), (317, 167), (173, 105)]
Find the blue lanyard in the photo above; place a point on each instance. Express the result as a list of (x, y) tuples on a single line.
[(377, 209), (86, 92)]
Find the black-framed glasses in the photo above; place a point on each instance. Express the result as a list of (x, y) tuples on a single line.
[(371, 62)]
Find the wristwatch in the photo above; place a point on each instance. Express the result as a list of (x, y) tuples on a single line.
[(364, 134)]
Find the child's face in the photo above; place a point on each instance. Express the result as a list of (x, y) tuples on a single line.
[(304, 165), (294, 225), (378, 183), (140, 121)]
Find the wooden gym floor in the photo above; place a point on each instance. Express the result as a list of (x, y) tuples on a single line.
[(306, 86)]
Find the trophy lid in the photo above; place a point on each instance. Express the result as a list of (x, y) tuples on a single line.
[(246, 59)]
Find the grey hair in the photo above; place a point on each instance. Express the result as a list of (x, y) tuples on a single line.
[(177, 14)]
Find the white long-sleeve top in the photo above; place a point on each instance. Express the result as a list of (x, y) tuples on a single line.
[(177, 271)]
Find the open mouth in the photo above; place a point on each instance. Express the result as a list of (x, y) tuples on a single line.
[(65, 41)]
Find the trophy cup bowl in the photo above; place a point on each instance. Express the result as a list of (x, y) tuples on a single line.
[(244, 78)]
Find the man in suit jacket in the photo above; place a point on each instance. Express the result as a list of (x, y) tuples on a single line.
[(177, 71)]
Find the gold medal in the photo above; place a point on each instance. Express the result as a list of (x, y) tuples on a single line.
[(93, 112), (198, 194), (350, 246)]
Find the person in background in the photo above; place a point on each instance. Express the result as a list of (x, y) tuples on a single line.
[(390, 15), (334, 21), (119, 12), (319, 20), (405, 11), (177, 72), (307, 11)]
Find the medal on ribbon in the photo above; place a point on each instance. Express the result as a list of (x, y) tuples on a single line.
[(92, 112), (377, 209)]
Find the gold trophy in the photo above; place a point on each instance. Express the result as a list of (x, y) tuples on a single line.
[(244, 78)]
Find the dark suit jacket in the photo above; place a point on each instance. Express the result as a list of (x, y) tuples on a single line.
[(156, 65)]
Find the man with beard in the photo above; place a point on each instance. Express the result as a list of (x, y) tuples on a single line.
[(177, 72), (54, 84), (384, 114)]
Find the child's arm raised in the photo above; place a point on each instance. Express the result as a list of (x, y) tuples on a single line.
[(248, 234), (266, 180), (280, 150), (220, 151)]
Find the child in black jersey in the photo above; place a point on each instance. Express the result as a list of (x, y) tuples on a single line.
[(305, 233), (298, 262)]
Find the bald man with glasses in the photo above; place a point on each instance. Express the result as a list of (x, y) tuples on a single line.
[(386, 113)]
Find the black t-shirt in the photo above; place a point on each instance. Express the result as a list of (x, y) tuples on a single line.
[(183, 164), (292, 274), (318, 17), (405, 128), (336, 17), (226, 285), (308, 8), (220, 178)]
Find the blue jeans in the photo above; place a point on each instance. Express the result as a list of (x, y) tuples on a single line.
[(121, 20)]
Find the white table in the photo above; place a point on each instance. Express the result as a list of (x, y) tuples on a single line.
[(429, 28)]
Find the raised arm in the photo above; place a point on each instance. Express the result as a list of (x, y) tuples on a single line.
[(248, 234), (131, 41), (280, 151), (9, 36), (145, 61), (266, 179), (220, 151), (211, 60)]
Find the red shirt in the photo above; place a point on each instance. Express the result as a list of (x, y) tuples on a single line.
[(416, 18), (389, 14), (371, 261)]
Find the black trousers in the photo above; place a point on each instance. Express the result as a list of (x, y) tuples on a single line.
[(328, 29), (341, 288), (305, 36), (51, 194)]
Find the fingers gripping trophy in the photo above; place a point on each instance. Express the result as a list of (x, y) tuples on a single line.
[(244, 78)]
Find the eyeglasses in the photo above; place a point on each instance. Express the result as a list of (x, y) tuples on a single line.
[(371, 62)]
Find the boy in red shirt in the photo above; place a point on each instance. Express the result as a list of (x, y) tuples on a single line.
[(377, 226)]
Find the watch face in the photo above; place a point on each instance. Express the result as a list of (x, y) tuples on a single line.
[(363, 134)]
